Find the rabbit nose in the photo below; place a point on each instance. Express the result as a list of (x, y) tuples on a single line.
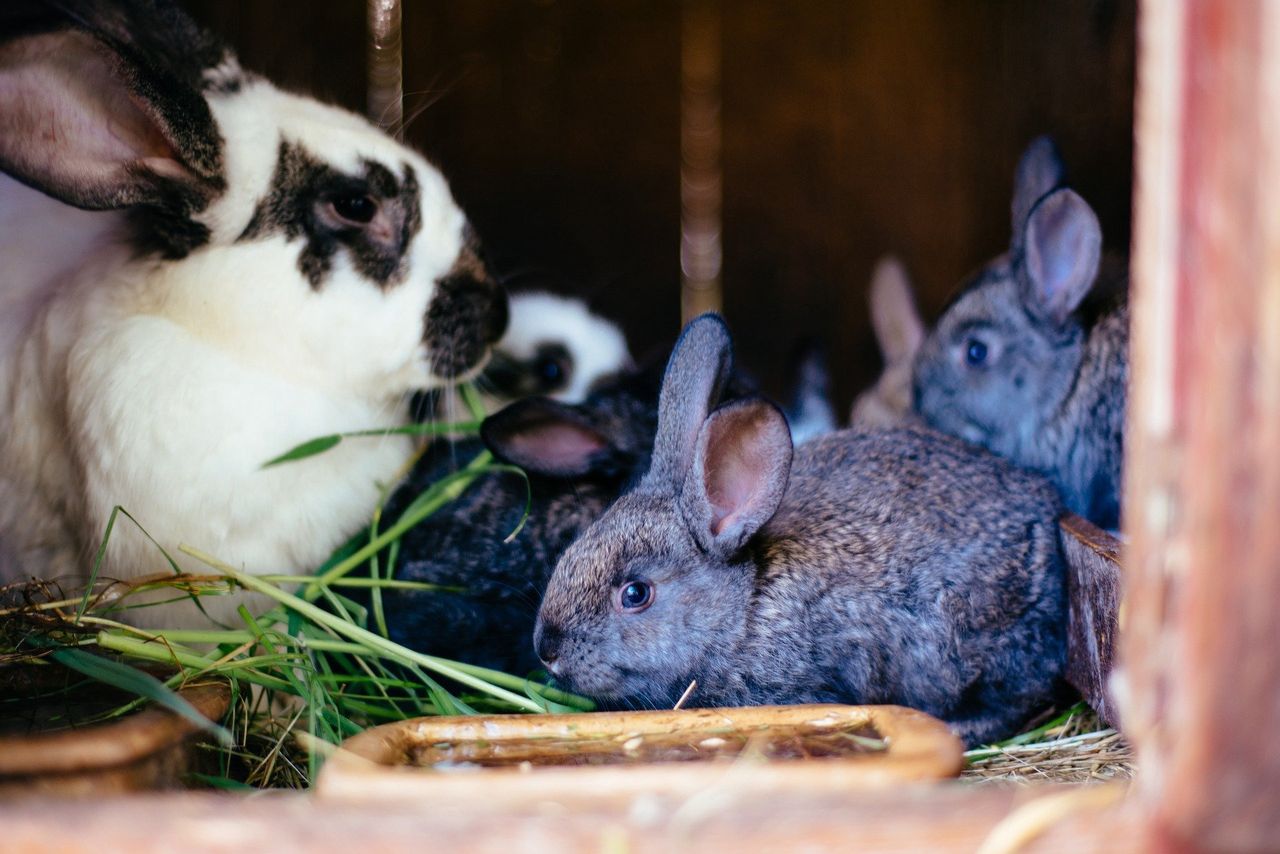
[(547, 642), (468, 313)]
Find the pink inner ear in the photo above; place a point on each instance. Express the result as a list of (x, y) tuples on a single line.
[(72, 123), (736, 467), (557, 445)]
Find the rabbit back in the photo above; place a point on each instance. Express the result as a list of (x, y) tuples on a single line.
[(936, 572)]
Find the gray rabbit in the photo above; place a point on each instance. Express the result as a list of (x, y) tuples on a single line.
[(870, 567), (578, 457), (1023, 364)]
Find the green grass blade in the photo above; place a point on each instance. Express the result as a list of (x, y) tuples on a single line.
[(126, 678)]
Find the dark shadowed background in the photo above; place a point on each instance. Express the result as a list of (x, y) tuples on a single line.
[(850, 129)]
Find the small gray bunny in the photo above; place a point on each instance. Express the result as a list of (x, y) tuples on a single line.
[(1023, 364), (578, 458), (901, 566)]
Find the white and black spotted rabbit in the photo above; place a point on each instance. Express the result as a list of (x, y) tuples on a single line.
[(894, 567), (200, 272)]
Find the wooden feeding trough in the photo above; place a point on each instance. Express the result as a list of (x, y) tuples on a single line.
[(615, 755), (146, 750)]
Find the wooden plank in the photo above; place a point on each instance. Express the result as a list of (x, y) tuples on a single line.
[(1093, 589), (940, 819), (1203, 495)]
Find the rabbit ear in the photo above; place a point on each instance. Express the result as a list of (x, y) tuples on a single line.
[(97, 124), (894, 317), (549, 438), (1063, 249), (740, 469), (1040, 171), (691, 386)]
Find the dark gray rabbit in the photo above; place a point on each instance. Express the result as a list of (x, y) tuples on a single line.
[(893, 567), (1023, 364), (579, 457)]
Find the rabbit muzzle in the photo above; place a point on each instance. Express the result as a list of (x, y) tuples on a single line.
[(466, 317)]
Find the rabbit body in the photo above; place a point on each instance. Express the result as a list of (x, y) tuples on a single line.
[(1031, 359), (578, 458), (238, 270), (900, 566)]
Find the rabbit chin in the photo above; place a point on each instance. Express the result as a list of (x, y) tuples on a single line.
[(620, 687)]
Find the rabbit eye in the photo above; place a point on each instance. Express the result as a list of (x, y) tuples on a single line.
[(975, 352), (636, 596), (551, 366), (356, 209), (550, 372)]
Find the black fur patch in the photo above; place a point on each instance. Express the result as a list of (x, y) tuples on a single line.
[(468, 312), (295, 206)]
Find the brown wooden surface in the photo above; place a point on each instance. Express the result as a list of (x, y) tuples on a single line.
[(959, 819), (146, 750), (1202, 684), (851, 128), (1094, 587), (379, 764)]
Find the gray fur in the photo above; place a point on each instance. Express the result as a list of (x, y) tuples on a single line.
[(465, 545), (885, 567), (1050, 394)]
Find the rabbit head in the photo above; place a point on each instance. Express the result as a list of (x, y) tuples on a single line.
[(554, 346), (206, 272), (658, 588), (1007, 350), (899, 332), (293, 232)]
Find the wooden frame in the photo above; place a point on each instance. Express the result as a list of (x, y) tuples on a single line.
[(1199, 690)]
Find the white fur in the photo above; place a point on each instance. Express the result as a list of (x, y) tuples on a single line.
[(596, 346), (162, 386)]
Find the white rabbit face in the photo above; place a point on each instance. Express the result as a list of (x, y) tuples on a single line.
[(294, 235), (341, 256)]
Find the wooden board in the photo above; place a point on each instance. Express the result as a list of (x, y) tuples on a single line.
[(1094, 590)]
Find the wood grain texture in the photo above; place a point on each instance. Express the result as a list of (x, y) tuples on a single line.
[(912, 819), (1094, 588), (380, 763), (851, 128), (1203, 495)]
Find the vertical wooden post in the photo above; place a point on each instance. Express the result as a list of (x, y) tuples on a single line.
[(700, 173), (386, 70), (1201, 648)]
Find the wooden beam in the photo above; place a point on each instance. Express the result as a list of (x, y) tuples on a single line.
[(1201, 685), (934, 819)]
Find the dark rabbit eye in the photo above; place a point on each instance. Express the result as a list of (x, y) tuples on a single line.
[(975, 352), (636, 596), (357, 209), (550, 372)]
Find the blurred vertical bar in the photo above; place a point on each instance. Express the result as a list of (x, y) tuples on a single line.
[(386, 81), (1200, 682), (700, 170)]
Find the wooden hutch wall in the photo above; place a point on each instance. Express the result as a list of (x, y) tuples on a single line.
[(851, 128)]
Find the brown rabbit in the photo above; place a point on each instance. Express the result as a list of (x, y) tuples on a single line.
[(899, 332)]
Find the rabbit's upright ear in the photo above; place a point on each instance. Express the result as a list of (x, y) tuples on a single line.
[(99, 121), (1063, 250), (1040, 171), (546, 437), (894, 317), (741, 465), (691, 387)]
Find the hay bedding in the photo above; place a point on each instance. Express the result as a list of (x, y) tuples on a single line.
[(1080, 749)]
